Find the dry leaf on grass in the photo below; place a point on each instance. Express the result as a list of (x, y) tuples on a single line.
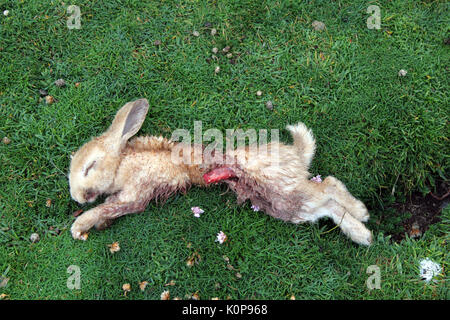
[(318, 25), (126, 288), (77, 213), (171, 283), (415, 231), (165, 295), (114, 247), (195, 296), (3, 282), (195, 258), (230, 267), (142, 285), (60, 83), (49, 99), (6, 140), (3, 296)]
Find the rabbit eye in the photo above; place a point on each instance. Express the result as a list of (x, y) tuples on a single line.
[(86, 172)]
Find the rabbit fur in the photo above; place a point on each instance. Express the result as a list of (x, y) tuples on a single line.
[(134, 172)]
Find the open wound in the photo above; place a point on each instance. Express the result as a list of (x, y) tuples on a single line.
[(218, 174)]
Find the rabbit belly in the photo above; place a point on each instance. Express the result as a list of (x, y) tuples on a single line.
[(266, 197)]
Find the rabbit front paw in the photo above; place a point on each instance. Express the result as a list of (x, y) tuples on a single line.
[(83, 223)]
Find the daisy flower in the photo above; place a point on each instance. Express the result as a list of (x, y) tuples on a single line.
[(197, 211), (221, 237)]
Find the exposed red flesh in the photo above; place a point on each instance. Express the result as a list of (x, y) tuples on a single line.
[(218, 174)]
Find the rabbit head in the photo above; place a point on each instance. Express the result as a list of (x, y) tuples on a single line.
[(94, 165)]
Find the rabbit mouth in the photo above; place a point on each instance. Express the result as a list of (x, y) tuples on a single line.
[(90, 196)]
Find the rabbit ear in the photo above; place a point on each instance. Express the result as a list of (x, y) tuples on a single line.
[(127, 122)]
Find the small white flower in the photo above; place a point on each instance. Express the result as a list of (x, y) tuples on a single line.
[(5, 13), (195, 33), (221, 237), (318, 25), (197, 211), (34, 237), (217, 70), (215, 50), (317, 179), (429, 269), (213, 32), (255, 208), (402, 73), (259, 93)]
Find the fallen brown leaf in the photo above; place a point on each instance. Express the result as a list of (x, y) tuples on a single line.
[(77, 213), (142, 285), (195, 258), (415, 231), (126, 288), (49, 99), (165, 295), (114, 247), (171, 283), (195, 296), (3, 282)]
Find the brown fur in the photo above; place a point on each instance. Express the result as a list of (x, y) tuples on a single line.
[(135, 172)]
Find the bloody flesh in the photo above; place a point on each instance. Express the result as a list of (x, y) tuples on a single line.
[(218, 174)]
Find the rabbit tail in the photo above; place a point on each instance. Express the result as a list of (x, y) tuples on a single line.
[(304, 141)]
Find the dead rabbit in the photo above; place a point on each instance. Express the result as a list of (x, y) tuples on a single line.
[(134, 172)]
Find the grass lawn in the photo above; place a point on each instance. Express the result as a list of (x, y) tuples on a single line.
[(383, 135)]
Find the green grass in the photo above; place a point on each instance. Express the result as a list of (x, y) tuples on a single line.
[(376, 132)]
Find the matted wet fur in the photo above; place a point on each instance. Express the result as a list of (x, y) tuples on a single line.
[(135, 172)]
